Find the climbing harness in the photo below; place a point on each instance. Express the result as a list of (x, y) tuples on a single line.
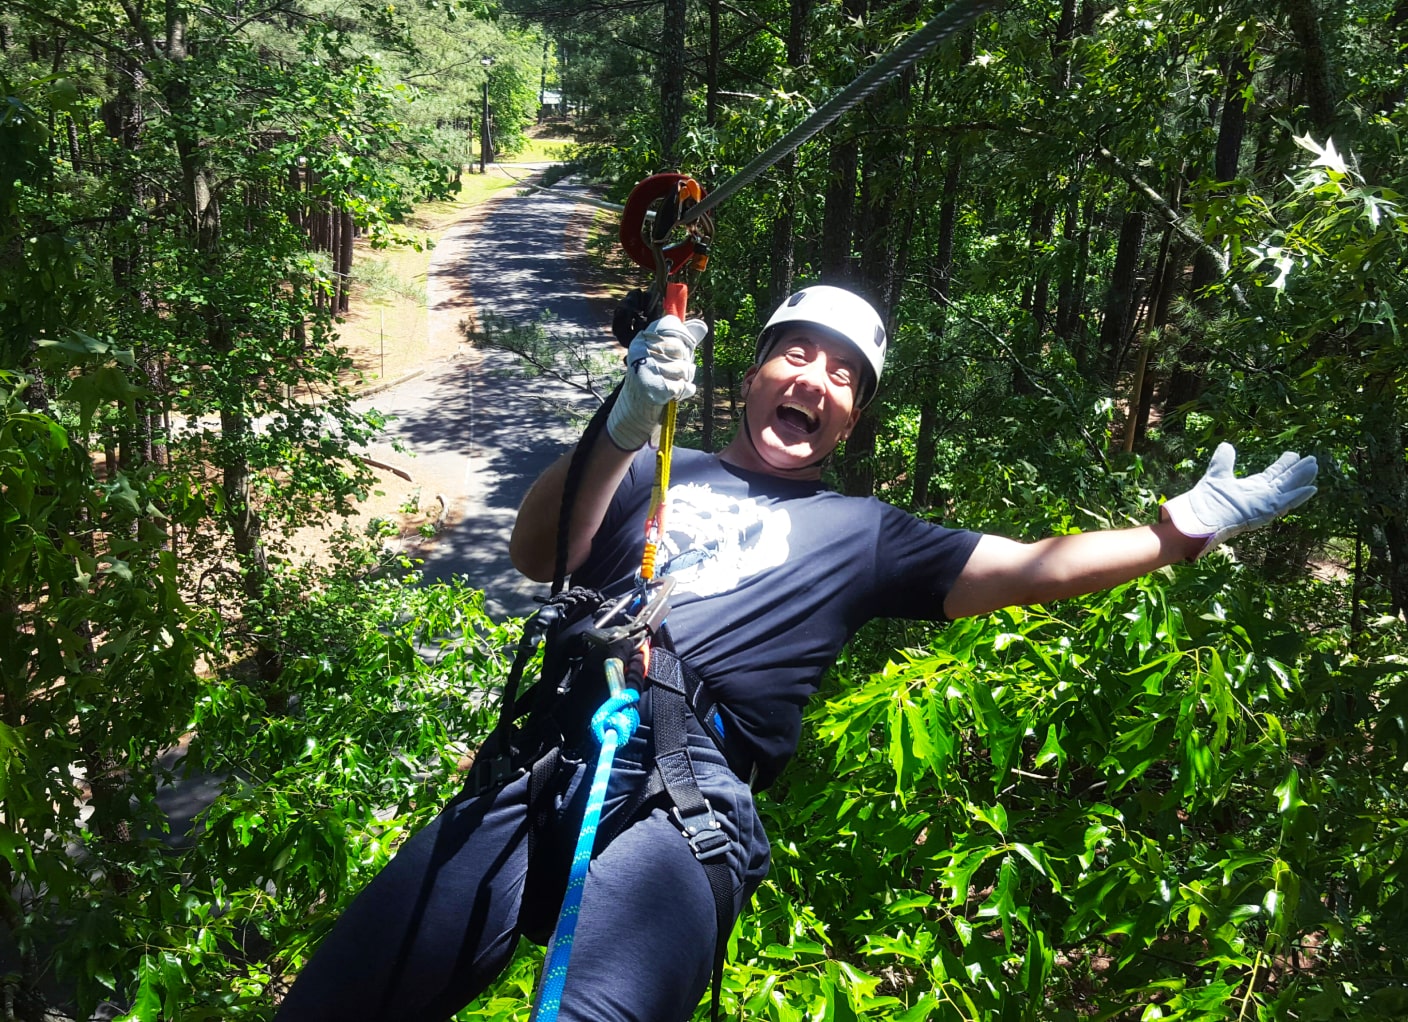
[(626, 629), (600, 653), (607, 650), (623, 642)]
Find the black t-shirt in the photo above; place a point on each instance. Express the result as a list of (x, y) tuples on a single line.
[(772, 577)]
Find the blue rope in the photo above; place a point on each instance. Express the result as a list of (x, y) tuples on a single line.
[(613, 726)]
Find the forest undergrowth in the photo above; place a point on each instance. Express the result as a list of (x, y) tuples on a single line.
[(1106, 239)]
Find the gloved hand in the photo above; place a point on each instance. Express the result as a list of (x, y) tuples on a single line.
[(1221, 506), (659, 369)]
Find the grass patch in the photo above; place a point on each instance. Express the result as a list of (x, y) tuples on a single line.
[(433, 217), (544, 150), (376, 280)]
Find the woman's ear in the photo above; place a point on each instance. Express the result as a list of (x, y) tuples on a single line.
[(851, 424), (747, 383)]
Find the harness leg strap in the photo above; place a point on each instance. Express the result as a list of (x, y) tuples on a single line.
[(691, 809)]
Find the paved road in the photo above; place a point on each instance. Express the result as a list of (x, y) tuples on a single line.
[(470, 431), (474, 429)]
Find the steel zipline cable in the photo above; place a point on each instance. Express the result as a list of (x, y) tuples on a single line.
[(917, 46), (943, 25)]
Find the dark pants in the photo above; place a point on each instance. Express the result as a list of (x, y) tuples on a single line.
[(440, 922)]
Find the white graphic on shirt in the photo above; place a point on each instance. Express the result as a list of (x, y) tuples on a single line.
[(715, 542)]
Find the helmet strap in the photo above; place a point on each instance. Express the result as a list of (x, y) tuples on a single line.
[(786, 473)]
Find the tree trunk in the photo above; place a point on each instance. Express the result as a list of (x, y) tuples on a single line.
[(1386, 490), (838, 219), (1061, 47), (246, 528), (1119, 297), (348, 236), (1315, 77), (1067, 308), (202, 209), (1036, 295), (335, 251), (706, 380), (543, 80), (798, 34), (672, 82), (883, 170), (1186, 380), (926, 445), (784, 227), (1397, 22), (918, 175), (882, 177), (711, 68), (839, 213), (783, 235), (1168, 285), (1233, 125), (73, 153)]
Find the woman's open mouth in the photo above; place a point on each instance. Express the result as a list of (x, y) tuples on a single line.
[(797, 418)]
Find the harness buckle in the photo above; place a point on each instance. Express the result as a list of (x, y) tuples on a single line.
[(639, 626), (494, 772), (703, 831)]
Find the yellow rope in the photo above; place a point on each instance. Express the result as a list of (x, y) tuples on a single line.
[(655, 525)]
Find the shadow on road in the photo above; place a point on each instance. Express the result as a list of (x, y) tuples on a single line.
[(525, 258)]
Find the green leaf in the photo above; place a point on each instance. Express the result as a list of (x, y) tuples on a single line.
[(146, 1006), (1287, 793), (1051, 750), (995, 816), (105, 384), (115, 567), (62, 95), (1037, 857)]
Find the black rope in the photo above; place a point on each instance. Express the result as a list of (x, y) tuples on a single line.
[(575, 469)]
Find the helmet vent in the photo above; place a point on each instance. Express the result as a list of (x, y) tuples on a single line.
[(796, 299), (879, 336)]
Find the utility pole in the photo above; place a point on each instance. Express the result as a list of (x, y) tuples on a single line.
[(484, 143), (542, 81)]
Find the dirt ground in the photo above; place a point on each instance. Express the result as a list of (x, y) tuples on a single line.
[(386, 331), (392, 499)]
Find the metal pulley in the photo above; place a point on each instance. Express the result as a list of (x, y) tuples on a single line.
[(655, 236)]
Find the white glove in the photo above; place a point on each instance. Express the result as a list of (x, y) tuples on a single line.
[(1221, 506), (659, 369)]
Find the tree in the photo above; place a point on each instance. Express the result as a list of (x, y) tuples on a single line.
[(159, 268)]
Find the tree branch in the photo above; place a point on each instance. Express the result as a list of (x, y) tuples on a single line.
[(72, 29), (1035, 379), (753, 20)]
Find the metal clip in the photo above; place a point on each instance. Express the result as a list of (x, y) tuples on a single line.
[(641, 625), (615, 676), (704, 832)]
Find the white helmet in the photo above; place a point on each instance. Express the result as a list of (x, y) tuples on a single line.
[(843, 315)]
